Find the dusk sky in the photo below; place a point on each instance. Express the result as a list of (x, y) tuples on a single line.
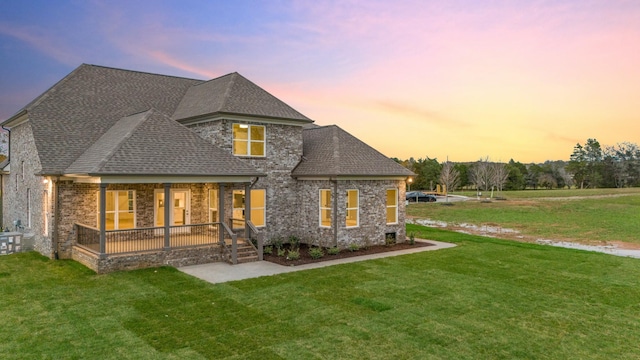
[(465, 79)]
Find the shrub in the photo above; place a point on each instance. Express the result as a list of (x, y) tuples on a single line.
[(316, 252), (277, 243), (281, 252), (333, 250), (293, 254), (354, 247), (412, 238), (294, 241), (268, 250)]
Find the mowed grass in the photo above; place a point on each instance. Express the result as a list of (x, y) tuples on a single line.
[(484, 299), (579, 215), (556, 193)]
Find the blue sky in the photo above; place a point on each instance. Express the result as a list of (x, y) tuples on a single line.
[(465, 79)]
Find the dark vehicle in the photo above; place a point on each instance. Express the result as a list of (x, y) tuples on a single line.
[(417, 196)]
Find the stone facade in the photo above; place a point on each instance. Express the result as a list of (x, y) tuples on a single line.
[(27, 198), (372, 228), (283, 153)]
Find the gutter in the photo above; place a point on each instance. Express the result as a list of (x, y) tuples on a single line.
[(56, 218)]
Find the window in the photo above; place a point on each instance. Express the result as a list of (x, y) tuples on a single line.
[(213, 206), (248, 140), (258, 208), (392, 206), (325, 208), (352, 208), (120, 209)]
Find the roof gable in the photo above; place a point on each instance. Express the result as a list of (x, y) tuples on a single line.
[(331, 151), (233, 94), (69, 117), (150, 143)]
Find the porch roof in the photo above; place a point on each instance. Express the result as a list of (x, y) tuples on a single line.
[(150, 144)]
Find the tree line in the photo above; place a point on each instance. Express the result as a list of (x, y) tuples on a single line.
[(589, 166)]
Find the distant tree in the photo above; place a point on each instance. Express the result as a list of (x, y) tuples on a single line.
[(480, 174), (516, 178), (499, 175), (533, 173), (449, 177), (427, 173), (463, 171)]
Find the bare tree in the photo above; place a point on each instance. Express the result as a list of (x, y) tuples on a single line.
[(499, 176), (480, 174), (449, 177)]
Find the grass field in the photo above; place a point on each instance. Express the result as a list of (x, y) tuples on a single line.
[(583, 215), (484, 299)]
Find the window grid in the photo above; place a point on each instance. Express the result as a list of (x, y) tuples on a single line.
[(392, 206), (325, 208), (248, 140)]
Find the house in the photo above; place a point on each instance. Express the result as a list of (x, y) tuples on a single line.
[(121, 169)]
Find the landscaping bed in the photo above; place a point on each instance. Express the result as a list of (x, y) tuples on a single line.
[(306, 258)]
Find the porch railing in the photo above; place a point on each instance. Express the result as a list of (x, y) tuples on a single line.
[(147, 239)]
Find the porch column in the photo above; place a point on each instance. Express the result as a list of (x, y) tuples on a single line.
[(167, 216), (103, 220), (247, 210), (221, 213)]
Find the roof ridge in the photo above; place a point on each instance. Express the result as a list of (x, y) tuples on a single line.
[(143, 72), (122, 140), (227, 91)]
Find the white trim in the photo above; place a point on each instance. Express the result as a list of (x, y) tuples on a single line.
[(187, 219), (356, 208), (116, 212), (320, 208), (396, 206), (249, 141)]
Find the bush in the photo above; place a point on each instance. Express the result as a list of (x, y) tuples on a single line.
[(333, 250), (293, 254), (316, 252), (267, 250), (281, 252), (294, 241), (354, 247), (412, 238), (277, 243)]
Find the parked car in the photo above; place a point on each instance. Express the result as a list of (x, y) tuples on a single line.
[(418, 196)]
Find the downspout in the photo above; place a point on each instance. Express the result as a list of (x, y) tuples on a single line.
[(334, 221), (2, 177), (56, 217)]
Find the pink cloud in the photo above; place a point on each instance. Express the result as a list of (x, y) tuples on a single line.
[(41, 41)]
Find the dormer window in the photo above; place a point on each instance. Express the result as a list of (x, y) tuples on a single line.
[(248, 140)]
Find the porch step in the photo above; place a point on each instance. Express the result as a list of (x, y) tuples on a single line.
[(246, 253)]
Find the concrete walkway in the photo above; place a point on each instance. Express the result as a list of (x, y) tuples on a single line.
[(223, 272)]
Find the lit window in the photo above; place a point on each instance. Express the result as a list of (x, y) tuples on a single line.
[(325, 208), (258, 208), (213, 206), (352, 208), (120, 209), (248, 140), (392, 206)]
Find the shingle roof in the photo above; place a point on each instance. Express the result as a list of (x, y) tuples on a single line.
[(69, 117), (233, 94), (150, 143), (331, 151)]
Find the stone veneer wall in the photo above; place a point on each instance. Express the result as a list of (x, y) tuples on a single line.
[(283, 152), (372, 205), (174, 257), (25, 164)]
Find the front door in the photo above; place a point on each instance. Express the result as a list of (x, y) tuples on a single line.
[(179, 210)]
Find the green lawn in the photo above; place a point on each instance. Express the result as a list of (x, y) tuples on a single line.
[(485, 298), (592, 218)]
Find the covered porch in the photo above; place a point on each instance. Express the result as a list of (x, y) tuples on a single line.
[(139, 225)]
